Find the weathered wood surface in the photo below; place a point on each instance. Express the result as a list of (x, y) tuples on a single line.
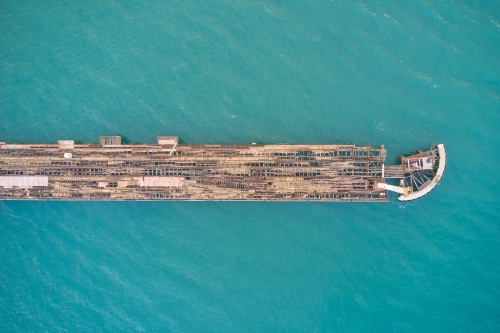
[(195, 172)]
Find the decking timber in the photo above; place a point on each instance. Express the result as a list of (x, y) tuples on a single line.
[(196, 172)]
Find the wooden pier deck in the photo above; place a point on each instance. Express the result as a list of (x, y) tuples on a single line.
[(171, 171)]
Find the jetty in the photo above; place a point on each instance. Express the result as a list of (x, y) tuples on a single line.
[(169, 170)]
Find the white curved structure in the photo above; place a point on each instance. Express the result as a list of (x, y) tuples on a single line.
[(429, 186), (407, 193)]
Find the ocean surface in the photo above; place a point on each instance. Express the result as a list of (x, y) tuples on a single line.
[(406, 74)]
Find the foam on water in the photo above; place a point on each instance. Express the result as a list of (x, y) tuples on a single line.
[(407, 75)]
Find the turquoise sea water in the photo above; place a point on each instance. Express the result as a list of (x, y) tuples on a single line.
[(407, 74)]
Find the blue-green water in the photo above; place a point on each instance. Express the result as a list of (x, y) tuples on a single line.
[(405, 74)]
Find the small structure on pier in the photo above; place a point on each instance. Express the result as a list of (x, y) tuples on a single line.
[(107, 141)]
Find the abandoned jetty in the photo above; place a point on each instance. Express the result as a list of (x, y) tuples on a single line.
[(169, 170)]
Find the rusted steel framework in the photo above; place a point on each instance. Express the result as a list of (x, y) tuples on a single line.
[(172, 171)]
